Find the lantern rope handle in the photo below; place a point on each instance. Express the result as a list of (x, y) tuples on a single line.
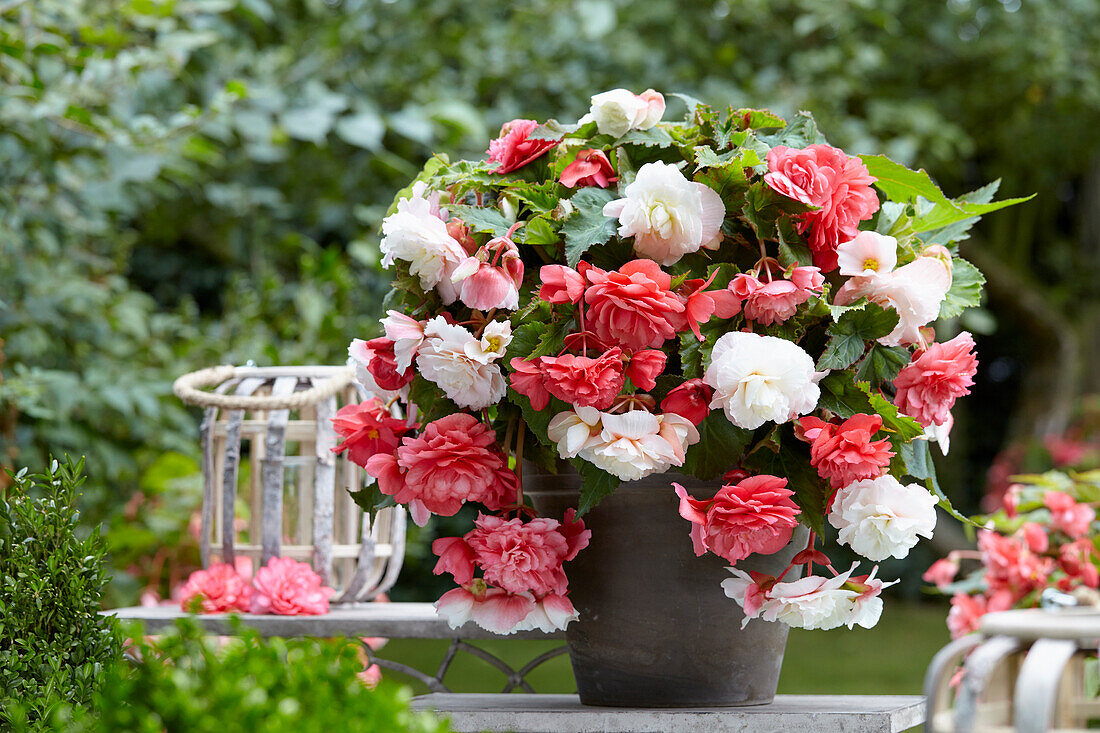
[(187, 387)]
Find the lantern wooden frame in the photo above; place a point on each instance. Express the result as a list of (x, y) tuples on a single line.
[(258, 413)]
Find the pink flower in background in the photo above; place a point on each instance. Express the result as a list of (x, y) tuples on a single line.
[(1065, 451), (1034, 536), (965, 614), (1011, 568), (584, 381), (366, 429), (218, 589), (1067, 515), (590, 168), (289, 588), (513, 149), (454, 460), (942, 572), (632, 307), (520, 556), (560, 284), (755, 515), (929, 385), (690, 400), (845, 452), (645, 366), (1077, 561), (837, 184)]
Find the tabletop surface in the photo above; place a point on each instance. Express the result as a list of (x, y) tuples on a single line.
[(565, 714), (393, 620)]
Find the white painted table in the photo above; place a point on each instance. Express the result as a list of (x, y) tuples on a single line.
[(565, 714)]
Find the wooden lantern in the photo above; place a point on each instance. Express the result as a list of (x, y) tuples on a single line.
[(272, 486)]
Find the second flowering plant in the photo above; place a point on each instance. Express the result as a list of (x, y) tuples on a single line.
[(726, 296)]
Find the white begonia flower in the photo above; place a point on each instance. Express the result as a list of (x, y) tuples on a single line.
[(574, 429), (881, 517), (760, 378), (867, 255), (916, 291), (810, 603), (618, 111), (494, 341), (416, 235), (667, 215), (473, 382)]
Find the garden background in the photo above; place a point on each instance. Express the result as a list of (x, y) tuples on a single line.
[(192, 182)]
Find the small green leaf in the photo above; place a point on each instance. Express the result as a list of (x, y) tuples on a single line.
[(587, 226), (595, 485), (721, 446), (539, 230), (757, 118), (882, 364), (966, 289), (653, 137), (853, 331), (482, 219), (841, 396), (902, 426)]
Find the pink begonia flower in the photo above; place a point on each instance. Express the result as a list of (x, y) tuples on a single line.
[(965, 614), (217, 589), (491, 277), (1012, 569), (1067, 515), (523, 556), (618, 111), (700, 304), (367, 428), (825, 177), (690, 400), (915, 291), (504, 613), (529, 380), (454, 460), (406, 334), (417, 234), (845, 452), (560, 284), (755, 516), (645, 366), (1077, 560), (668, 215), (929, 385), (814, 602), (590, 168), (513, 149), (632, 307), (583, 381), (1066, 451), (868, 254), (462, 365), (1034, 536), (776, 301), (942, 572), (455, 557), (377, 359), (289, 588)]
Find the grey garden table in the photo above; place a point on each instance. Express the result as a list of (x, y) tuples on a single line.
[(535, 713)]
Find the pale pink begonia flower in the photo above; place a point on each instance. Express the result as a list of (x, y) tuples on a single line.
[(463, 366), (406, 333), (418, 236), (814, 602), (868, 254), (668, 215), (915, 291), (618, 111)]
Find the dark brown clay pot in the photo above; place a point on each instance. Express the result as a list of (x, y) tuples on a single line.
[(656, 628)]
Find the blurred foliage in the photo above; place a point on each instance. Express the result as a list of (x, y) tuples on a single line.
[(185, 681), (188, 182), (54, 643)]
